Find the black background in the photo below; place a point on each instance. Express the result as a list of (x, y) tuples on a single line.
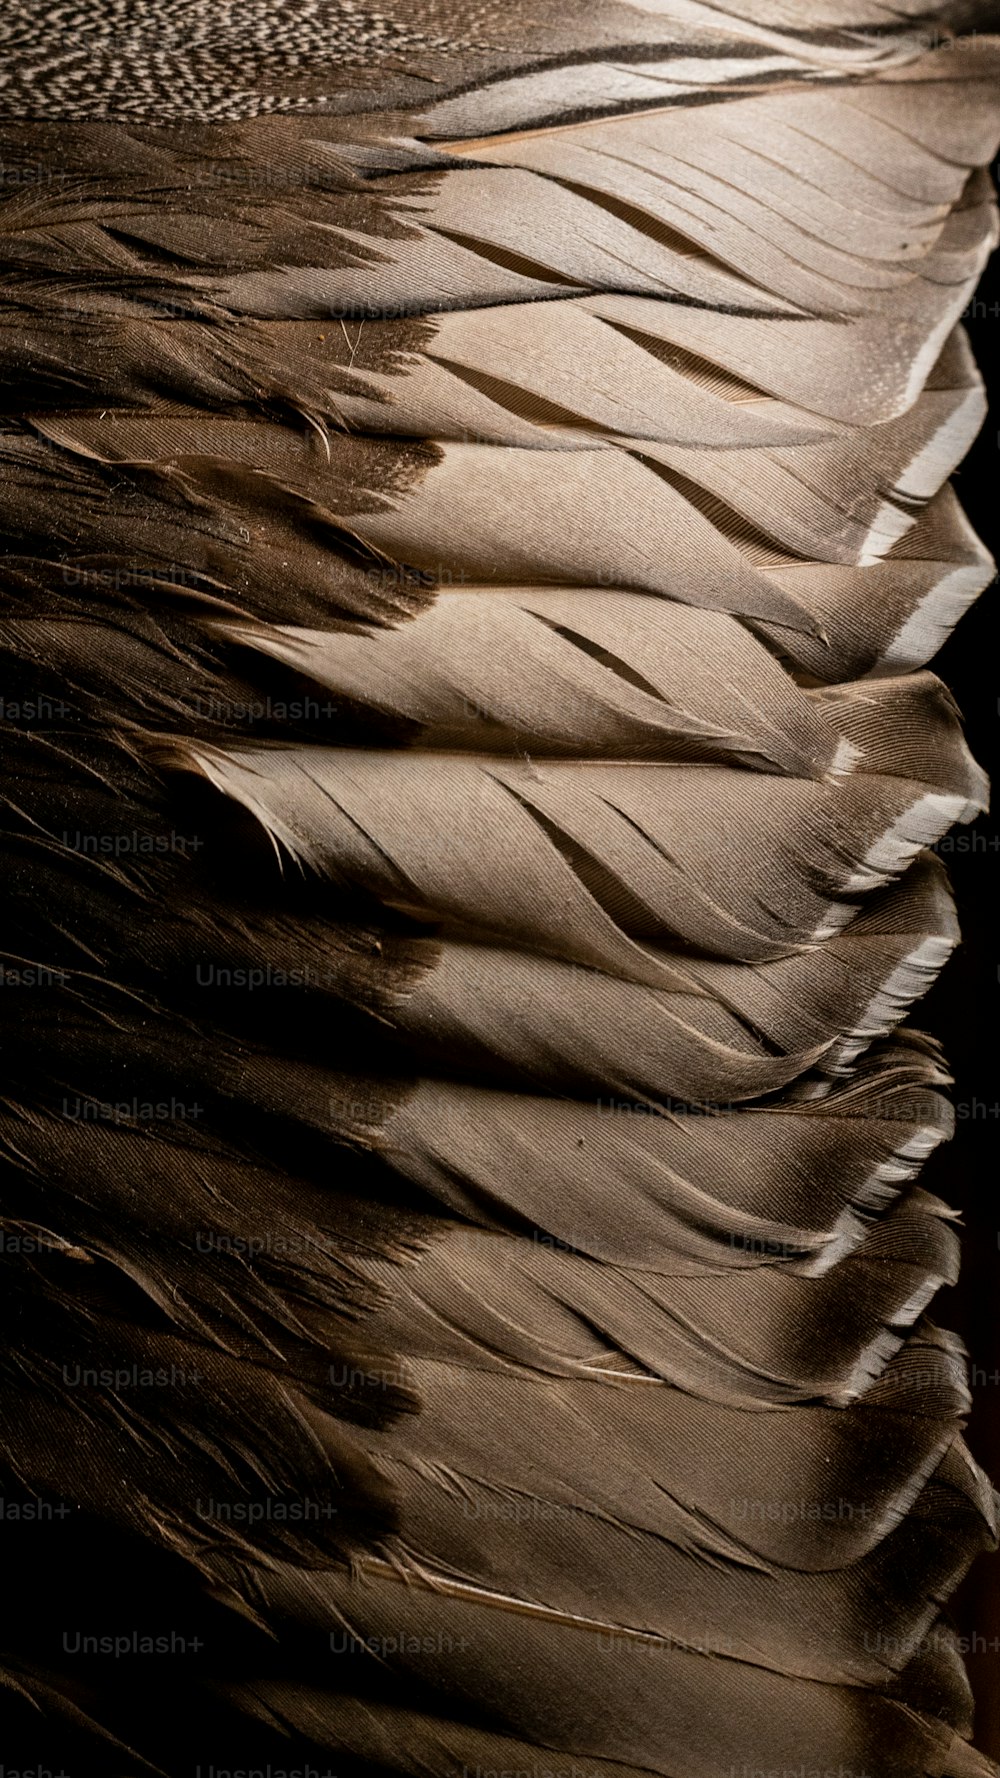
[(964, 1012)]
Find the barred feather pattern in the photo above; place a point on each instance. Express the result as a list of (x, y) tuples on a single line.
[(477, 526)]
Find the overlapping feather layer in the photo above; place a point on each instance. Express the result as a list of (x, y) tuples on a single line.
[(470, 810)]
